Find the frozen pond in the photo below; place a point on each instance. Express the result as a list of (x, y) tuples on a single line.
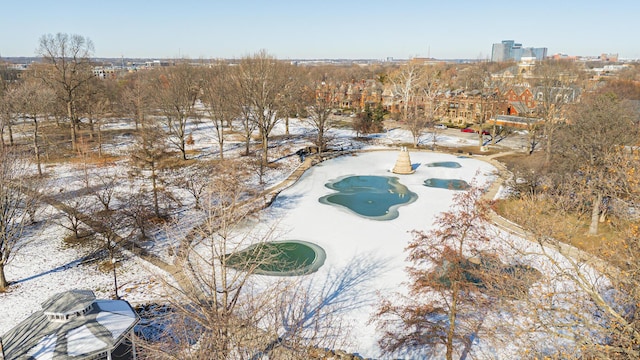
[(374, 197)]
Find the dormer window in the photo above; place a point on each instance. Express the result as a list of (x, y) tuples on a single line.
[(68, 306)]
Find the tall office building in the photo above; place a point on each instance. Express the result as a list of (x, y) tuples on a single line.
[(510, 50)]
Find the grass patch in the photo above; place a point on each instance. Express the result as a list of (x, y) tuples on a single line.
[(569, 228), (86, 239)]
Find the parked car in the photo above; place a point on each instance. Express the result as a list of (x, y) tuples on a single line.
[(485, 132), (440, 126), (469, 130)]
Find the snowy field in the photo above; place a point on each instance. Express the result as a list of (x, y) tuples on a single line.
[(46, 265)]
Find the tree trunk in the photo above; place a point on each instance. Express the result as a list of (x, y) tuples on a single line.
[(138, 118), (73, 126), (99, 141), (531, 137), (595, 215), (452, 322), (183, 142), (265, 148), (36, 147), (493, 133), (549, 144), (154, 184), (91, 126), (3, 279), (321, 147), (10, 133), (221, 138), (286, 125), (247, 144), (603, 215)]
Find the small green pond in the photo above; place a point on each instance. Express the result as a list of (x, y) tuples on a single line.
[(373, 197), (488, 273), (450, 184), (279, 258), (446, 164)]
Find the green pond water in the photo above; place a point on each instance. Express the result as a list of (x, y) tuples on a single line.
[(450, 184), (446, 164), (279, 258), (514, 278), (373, 197)]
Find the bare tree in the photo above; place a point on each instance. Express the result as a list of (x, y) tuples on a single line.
[(3, 120), (248, 127), (597, 129), (30, 100), (101, 184), (96, 103), (477, 80), (555, 88), (72, 217), (178, 89), (136, 97), (221, 97), (18, 201), (434, 82), (147, 153), (444, 305), (407, 82), (7, 112), (293, 97), (195, 179), (322, 99), (215, 300), (264, 81), (69, 58), (136, 214)]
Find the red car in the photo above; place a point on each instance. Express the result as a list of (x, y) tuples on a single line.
[(470, 130)]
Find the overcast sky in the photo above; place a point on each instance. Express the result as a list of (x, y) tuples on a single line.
[(307, 29)]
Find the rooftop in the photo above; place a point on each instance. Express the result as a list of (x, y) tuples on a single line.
[(71, 325)]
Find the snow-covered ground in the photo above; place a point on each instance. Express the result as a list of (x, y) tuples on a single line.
[(346, 237), (46, 265)]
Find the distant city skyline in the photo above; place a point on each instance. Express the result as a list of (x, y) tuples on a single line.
[(330, 29)]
